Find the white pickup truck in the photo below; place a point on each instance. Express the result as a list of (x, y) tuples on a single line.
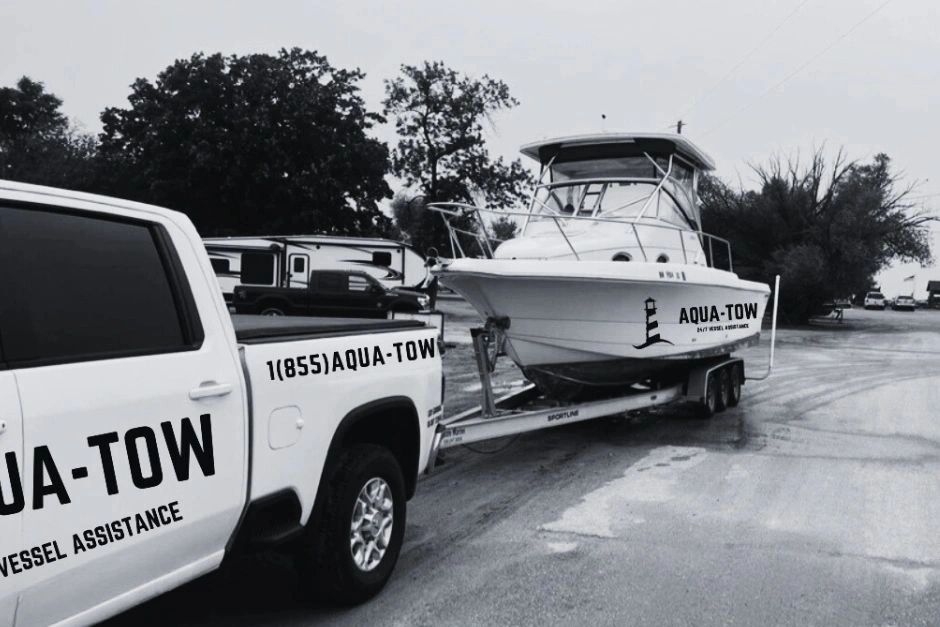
[(144, 436)]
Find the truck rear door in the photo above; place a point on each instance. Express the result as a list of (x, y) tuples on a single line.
[(134, 413), (12, 500)]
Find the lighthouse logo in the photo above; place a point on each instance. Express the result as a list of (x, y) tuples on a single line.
[(652, 326)]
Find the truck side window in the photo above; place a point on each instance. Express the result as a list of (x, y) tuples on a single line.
[(257, 269), (358, 284), (331, 282), (78, 287)]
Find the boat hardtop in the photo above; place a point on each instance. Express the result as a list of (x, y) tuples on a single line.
[(613, 145)]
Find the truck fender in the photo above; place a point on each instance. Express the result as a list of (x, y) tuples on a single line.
[(391, 422)]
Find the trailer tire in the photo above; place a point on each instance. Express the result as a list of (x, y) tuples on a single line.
[(724, 388), (734, 397), (363, 477), (709, 405)]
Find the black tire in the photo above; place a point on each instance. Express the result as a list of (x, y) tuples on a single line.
[(724, 387), (325, 560), (736, 380), (272, 309), (709, 405)]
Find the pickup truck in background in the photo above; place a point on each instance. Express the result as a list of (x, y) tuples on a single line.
[(329, 293), (145, 434)]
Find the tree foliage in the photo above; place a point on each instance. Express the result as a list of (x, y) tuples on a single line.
[(439, 116), (826, 229), (37, 142), (257, 143), (504, 228)]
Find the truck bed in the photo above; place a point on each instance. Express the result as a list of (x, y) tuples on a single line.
[(262, 329)]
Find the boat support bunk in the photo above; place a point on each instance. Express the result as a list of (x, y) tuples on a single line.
[(526, 410)]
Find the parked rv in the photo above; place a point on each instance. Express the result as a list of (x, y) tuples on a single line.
[(287, 260)]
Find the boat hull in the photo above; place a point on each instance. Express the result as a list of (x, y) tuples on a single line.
[(609, 323)]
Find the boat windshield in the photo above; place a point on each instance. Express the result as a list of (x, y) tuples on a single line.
[(616, 200), (619, 188)]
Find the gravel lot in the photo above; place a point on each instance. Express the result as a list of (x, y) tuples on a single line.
[(816, 501)]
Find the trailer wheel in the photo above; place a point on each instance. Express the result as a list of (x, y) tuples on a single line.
[(349, 552), (709, 405), (734, 396), (724, 388)]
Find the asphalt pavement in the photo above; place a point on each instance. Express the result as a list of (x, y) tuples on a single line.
[(815, 502)]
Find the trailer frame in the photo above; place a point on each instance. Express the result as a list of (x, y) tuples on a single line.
[(527, 410)]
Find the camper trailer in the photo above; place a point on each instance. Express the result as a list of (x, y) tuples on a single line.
[(287, 260)]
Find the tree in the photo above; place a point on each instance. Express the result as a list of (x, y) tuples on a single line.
[(442, 152), (257, 143), (503, 228), (37, 142), (826, 229)]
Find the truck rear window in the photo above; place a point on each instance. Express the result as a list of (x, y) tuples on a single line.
[(83, 287)]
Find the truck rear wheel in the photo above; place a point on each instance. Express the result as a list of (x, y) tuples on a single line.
[(272, 310), (349, 553)]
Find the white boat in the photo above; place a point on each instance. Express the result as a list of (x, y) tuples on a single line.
[(611, 280)]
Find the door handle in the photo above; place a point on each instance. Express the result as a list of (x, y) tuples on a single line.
[(3, 427), (208, 389)]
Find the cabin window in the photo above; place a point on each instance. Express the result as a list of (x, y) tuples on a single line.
[(257, 269), (221, 266), (382, 259), (682, 173), (300, 263)]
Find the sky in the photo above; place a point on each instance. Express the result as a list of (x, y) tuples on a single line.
[(751, 78)]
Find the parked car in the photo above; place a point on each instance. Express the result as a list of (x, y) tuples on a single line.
[(328, 293), (145, 435), (874, 300), (904, 303)]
